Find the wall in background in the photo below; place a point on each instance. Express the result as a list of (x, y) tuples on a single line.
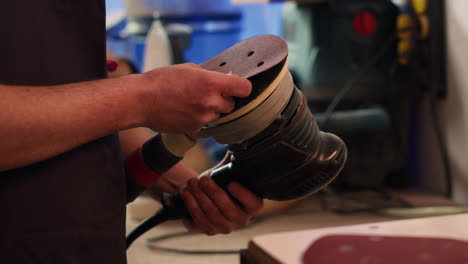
[(453, 112), (262, 18), (211, 34), (455, 109), (113, 6)]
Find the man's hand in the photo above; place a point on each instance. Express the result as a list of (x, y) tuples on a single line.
[(213, 211), (183, 98)]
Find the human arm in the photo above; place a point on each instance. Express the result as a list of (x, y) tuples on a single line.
[(41, 122)]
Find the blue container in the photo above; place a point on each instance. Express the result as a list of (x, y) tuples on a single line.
[(191, 6), (211, 33), (136, 51)]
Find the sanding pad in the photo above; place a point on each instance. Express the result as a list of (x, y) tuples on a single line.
[(263, 60), (250, 57)]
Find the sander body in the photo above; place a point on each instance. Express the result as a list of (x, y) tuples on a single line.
[(278, 150)]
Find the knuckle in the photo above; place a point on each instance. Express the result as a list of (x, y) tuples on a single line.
[(192, 129), (211, 232), (212, 212), (195, 217), (208, 103), (257, 206), (198, 120), (245, 222), (222, 200), (227, 229), (205, 119), (213, 83), (230, 104)]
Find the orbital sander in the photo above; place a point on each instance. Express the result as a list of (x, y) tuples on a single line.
[(278, 151)]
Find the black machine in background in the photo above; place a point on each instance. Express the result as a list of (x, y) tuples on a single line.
[(363, 64)]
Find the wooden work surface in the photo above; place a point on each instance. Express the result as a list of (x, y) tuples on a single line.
[(288, 247), (312, 213)]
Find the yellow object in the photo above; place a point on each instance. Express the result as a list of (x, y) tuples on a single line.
[(406, 26), (420, 6), (177, 144), (405, 47)]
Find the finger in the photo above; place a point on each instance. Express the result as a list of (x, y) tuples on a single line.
[(212, 213), (249, 201), (193, 65), (231, 85), (214, 117), (221, 199), (209, 117), (190, 225), (227, 104), (195, 212)]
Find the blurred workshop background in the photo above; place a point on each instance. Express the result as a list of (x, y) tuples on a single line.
[(369, 69), (387, 76)]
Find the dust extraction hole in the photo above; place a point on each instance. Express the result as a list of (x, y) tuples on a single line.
[(222, 64), (260, 64)]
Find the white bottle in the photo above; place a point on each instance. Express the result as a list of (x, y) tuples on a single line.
[(138, 13), (158, 51)]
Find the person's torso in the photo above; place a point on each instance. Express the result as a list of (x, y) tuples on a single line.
[(71, 208)]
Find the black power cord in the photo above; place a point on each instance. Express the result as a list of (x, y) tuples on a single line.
[(161, 216), (378, 201), (350, 83), (151, 243)]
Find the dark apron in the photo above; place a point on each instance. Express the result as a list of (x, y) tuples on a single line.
[(71, 208)]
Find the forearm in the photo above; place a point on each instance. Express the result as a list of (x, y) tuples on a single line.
[(41, 122)]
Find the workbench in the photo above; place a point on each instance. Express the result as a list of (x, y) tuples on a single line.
[(311, 214), (289, 247)]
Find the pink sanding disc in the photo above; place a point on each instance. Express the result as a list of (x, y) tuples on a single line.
[(360, 249)]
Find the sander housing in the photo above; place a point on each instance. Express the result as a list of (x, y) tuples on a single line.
[(278, 151)]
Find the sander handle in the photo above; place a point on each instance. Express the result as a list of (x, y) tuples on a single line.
[(163, 151)]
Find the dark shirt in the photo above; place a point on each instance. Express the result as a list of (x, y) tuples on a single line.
[(70, 208)]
